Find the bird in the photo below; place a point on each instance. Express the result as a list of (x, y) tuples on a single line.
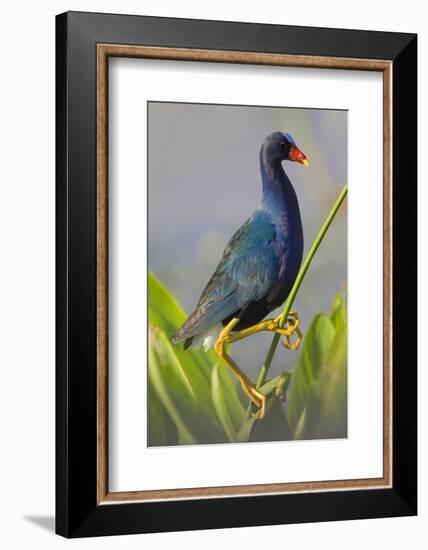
[(256, 271)]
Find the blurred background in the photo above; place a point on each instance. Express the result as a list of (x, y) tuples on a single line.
[(204, 183)]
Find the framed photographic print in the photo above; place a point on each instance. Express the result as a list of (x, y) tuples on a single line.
[(236, 274)]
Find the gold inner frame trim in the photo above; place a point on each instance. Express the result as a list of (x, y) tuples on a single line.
[(104, 51)]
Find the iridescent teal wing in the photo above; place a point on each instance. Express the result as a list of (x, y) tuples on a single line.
[(248, 270)]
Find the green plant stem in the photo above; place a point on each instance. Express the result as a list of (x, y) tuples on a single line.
[(299, 279)]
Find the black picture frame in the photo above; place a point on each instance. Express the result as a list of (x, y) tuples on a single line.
[(77, 512)]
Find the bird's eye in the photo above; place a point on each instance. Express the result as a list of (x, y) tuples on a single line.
[(282, 144)]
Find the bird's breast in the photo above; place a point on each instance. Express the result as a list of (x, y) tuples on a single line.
[(290, 253)]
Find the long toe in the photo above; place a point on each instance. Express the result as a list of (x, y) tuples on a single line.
[(262, 409), (262, 401)]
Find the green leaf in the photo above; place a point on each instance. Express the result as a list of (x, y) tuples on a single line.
[(274, 427), (220, 405), (157, 433), (327, 408), (165, 312), (300, 430), (245, 431), (161, 429), (235, 408), (193, 366), (157, 381), (316, 345), (338, 311), (186, 398), (279, 385), (187, 376)]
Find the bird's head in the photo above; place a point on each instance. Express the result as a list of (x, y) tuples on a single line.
[(282, 146)]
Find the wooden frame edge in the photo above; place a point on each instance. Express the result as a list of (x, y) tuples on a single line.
[(241, 57), (387, 275), (104, 51), (102, 274)]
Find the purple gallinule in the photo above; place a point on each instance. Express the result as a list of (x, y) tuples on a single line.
[(257, 270)]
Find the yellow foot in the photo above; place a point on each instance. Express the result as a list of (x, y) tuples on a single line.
[(258, 399), (293, 323), (290, 328)]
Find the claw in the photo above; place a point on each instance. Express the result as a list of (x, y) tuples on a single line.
[(289, 344), (290, 329)]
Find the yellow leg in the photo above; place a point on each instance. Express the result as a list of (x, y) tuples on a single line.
[(227, 336), (291, 327), (250, 389)]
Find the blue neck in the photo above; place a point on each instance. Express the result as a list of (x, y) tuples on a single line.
[(279, 197)]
